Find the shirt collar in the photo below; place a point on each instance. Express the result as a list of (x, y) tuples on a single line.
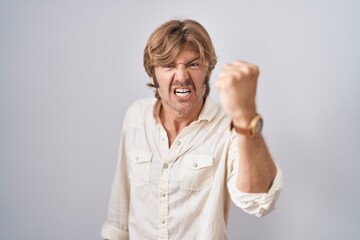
[(209, 110), (156, 110)]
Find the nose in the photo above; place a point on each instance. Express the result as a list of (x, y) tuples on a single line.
[(181, 73)]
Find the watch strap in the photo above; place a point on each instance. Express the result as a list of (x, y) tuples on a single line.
[(250, 131)]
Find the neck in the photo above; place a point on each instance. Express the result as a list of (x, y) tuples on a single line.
[(174, 122)]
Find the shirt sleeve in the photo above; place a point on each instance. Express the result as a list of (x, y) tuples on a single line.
[(257, 204), (111, 232), (116, 224)]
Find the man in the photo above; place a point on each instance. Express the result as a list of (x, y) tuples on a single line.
[(182, 156)]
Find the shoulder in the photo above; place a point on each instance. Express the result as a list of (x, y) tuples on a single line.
[(214, 113), (139, 111), (141, 104)]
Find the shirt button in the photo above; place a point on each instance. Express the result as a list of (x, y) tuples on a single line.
[(195, 164), (166, 166), (163, 194), (178, 143), (162, 221)]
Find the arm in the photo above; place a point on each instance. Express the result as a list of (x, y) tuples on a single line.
[(256, 170), (237, 87), (116, 225)]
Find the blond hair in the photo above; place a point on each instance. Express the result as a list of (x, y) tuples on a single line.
[(165, 43)]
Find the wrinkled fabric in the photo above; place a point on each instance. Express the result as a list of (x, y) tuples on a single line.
[(181, 192)]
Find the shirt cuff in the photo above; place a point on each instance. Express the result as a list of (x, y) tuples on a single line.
[(113, 233), (258, 204)]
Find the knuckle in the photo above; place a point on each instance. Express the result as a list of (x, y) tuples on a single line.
[(237, 75), (255, 69), (246, 70)]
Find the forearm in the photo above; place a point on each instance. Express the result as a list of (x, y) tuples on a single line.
[(237, 88), (256, 170)]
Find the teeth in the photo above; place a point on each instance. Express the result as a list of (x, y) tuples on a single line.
[(182, 92)]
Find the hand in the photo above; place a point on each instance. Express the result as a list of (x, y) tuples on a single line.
[(237, 89)]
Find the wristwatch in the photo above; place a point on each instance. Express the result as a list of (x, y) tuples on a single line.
[(254, 128)]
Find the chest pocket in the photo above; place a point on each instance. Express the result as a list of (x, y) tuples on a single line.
[(140, 165), (196, 172)]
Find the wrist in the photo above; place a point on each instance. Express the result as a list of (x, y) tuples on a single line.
[(243, 120), (252, 128)]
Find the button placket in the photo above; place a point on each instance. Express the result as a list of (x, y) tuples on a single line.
[(164, 142), (163, 200), (171, 155)]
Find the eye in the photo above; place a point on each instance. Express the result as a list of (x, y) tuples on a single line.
[(194, 65), (168, 67)]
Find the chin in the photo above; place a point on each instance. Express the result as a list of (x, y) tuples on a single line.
[(187, 107)]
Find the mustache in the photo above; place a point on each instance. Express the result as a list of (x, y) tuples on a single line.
[(183, 84), (186, 83)]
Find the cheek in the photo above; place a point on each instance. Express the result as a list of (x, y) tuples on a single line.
[(163, 88), (163, 80), (201, 81)]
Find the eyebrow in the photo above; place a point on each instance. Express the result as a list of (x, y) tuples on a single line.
[(194, 59), (197, 58), (190, 61)]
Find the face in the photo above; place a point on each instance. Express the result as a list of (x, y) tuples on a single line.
[(181, 84)]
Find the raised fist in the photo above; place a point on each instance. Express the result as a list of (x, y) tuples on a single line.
[(237, 89)]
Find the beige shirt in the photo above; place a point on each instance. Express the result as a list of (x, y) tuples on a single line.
[(181, 192)]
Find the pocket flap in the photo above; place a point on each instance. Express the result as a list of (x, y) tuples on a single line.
[(140, 156), (197, 161)]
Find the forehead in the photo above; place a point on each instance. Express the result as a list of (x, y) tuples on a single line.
[(187, 53)]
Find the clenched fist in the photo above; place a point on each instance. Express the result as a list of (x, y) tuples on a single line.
[(237, 89)]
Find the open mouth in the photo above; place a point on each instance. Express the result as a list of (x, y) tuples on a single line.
[(182, 92)]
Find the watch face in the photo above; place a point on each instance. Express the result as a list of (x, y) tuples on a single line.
[(256, 126), (259, 126)]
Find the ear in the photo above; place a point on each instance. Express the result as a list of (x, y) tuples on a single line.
[(152, 80)]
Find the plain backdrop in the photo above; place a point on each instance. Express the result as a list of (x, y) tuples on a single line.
[(70, 69)]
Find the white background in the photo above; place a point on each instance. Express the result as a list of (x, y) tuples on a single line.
[(69, 70)]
